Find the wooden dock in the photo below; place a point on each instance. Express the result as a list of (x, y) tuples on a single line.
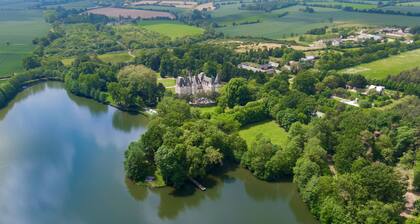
[(198, 185)]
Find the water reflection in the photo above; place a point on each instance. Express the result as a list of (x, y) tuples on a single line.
[(61, 161), (128, 122), (94, 108)]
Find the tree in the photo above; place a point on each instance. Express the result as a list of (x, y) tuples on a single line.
[(382, 183), (358, 81), (31, 62), (305, 82), (376, 212), (141, 82), (260, 153), (172, 165), (136, 165), (334, 213), (173, 112), (235, 92)]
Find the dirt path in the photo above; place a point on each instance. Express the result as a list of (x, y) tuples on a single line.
[(331, 165), (410, 196)]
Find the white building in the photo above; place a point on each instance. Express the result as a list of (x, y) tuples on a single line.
[(378, 89)]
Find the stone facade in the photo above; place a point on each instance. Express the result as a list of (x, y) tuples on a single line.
[(197, 84)]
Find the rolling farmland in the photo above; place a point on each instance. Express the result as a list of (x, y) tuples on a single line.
[(389, 66)]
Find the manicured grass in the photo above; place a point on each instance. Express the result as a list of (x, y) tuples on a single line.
[(167, 82), (268, 129), (296, 21), (115, 57), (389, 66), (172, 29), (210, 110)]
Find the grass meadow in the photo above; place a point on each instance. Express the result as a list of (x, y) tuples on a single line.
[(389, 66), (172, 29), (18, 27), (269, 129)]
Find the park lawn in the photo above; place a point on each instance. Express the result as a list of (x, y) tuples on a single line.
[(167, 82), (268, 129), (210, 109), (172, 29), (115, 57), (389, 66)]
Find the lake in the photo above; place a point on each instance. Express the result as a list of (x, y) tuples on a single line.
[(61, 161)]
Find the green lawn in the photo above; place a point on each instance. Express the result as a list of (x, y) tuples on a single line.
[(211, 109), (268, 129), (18, 27), (172, 29), (389, 66), (167, 82)]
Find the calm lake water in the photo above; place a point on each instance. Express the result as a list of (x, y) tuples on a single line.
[(61, 161)]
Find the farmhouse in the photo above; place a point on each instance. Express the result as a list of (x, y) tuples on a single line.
[(267, 68), (197, 84), (377, 89)]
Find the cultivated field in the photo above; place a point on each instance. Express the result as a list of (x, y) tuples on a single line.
[(18, 27), (131, 13), (172, 29), (82, 4), (191, 5), (345, 4), (412, 9), (389, 66), (297, 22), (268, 129)]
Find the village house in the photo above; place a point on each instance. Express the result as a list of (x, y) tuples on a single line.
[(377, 89), (197, 84), (266, 68)]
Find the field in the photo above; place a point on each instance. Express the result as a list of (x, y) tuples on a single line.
[(74, 5), (268, 129), (389, 66), (131, 13), (346, 4), (297, 22), (172, 29), (412, 9), (409, 4), (18, 27)]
